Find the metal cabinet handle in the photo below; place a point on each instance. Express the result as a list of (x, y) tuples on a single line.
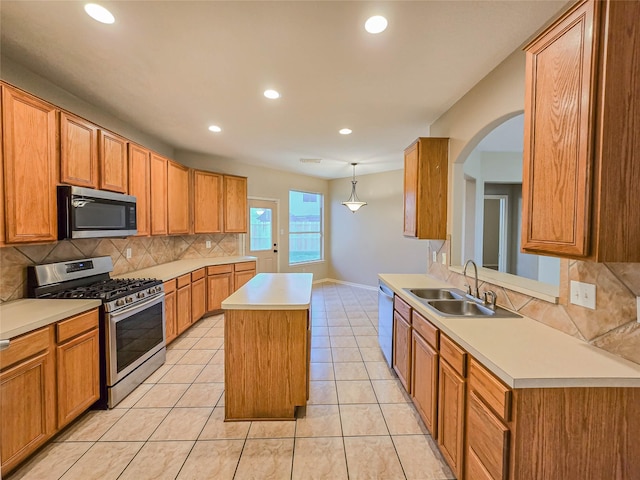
[(4, 344)]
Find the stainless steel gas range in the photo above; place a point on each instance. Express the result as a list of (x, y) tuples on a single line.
[(132, 320)]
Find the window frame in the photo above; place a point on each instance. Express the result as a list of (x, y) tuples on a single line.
[(320, 232)]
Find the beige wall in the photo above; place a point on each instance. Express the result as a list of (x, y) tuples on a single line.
[(275, 185), (370, 241)]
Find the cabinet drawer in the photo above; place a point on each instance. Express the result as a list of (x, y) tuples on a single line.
[(243, 266), (454, 355), (170, 286), (75, 326), (25, 346), (488, 438), (402, 308), (197, 275), (425, 328), (496, 395), (216, 269), (184, 280)]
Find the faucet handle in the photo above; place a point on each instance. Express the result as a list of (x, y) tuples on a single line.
[(493, 295), (468, 289)]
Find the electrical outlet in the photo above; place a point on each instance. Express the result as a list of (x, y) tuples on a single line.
[(583, 294), (434, 256), (444, 258), (208, 243), (128, 253)]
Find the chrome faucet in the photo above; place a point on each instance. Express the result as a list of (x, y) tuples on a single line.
[(475, 269), (492, 303)]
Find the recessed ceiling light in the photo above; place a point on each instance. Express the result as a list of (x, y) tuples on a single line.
[(272, 94), (345, 131), (375, 24), (99, 13), (215, 128)]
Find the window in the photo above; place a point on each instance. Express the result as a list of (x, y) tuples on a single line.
[(305, 227)]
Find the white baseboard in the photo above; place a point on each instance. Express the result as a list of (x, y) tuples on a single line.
[(342, 282)]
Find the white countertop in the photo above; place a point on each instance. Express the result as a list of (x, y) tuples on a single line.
[(27, 314), (273, 291), (522, 352), (170, 270)]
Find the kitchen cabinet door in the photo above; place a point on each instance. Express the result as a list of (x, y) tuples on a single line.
[(27, 393), (171, 327), (424, 382), (198, 295), (78, 374), (30, 156), (140, 186), (207, 202), (235, 204), (242, 273), (177, 198), (582, 107), (158, 169), (78, 151), (113, 162), (402, 350), (183, 303), (219, 286), (451, 408), (425, 188)]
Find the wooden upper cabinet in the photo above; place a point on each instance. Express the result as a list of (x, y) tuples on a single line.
[(158, 170), (177, 198), (235, 204), (140, 186), (207, 202), (30, 156), (2, 202), (78, 151), (582, 111), (113, 162), (425, 188)]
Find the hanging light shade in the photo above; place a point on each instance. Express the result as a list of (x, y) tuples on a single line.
[(354, 203)]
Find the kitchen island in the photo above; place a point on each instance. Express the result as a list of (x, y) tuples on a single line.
[(267, 347)]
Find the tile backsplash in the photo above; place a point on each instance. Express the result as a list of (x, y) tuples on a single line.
[(612, 326), (145, 252)]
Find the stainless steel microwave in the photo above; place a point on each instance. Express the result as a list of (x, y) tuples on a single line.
[(88, 213)]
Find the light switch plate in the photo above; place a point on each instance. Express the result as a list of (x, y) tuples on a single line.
[(444, 258), (208, 243), (583, 294), (128, 253), (434, 256)]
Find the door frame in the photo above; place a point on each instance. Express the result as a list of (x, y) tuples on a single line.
[(503, 249), (278, 232)]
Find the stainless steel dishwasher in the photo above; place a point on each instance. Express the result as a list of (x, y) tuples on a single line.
[(385, 321)]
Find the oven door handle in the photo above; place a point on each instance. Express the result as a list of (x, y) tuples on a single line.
[(136, 306)]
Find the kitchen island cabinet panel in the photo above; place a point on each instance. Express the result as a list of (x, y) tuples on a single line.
[(30, 157), (78, 151), (113, 162)]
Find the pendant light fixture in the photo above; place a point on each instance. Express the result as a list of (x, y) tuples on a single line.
[(354, 203)]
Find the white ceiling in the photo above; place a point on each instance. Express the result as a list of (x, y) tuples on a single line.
[(172, 68)]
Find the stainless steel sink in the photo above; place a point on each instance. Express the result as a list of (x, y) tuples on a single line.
[(436, 293), (468, 308)]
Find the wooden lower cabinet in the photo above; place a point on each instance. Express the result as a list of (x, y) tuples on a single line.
[(242, 273), (77, 365), (171, 327), (402, 350), (183, 303), (27, 396), (219, 285), (198, 295), (451, 409), (424, 381)]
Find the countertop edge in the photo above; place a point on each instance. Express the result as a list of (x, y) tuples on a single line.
[(182, 267)]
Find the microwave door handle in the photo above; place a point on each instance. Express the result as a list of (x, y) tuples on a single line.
[(80, 202)]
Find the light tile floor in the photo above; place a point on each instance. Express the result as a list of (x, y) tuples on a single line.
[(358, 424)]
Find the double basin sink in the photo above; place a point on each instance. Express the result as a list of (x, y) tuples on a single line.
[(452, 302)]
